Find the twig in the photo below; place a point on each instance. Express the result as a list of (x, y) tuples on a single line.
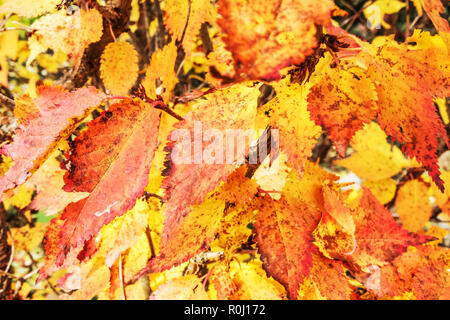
[(122, 286), (148, 232), (11, 256), (24, 277), (7, 102), (407, 20)]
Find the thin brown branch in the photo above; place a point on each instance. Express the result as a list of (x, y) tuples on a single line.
[(122, 285), (150, 242), (7, 102)]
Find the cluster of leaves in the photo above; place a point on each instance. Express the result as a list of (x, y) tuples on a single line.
[(92, 145)]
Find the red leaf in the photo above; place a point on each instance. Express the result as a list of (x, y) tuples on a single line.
[(111, 160), (284, 236), (365, 236)]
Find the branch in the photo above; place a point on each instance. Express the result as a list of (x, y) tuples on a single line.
[(7, 102)]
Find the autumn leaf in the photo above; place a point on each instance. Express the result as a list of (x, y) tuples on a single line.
[(266, 37), (342, 100), (123, 232), (378, 9), (412, 205), (8, 49), (253, 283), (284, 236), (119, 67), (51, 117), (48, 181), (383, 190), (376, 240), (423, 271), (185, 288), (162, 67), (373, 158), (88, 280), (200, 178), (298, 133), (234, 229), (52, 250), (194, 232), (103, 154), (28, 8), (69, 34), (434, 9), (222, 281), (416, 124), (27, 238), (327, 281)]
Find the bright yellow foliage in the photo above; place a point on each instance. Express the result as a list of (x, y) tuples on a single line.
[(27, 238), (123, 232), (413, 206), (289, 113), (161, 67), (377, 10), (383, 190), (253, 282), (374, 158), (119, 67), (8, 48), (20, 199)]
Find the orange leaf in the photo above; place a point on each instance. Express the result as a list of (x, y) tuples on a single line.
[(265, 37), (377, 239), (190, 180), (342, 100), (100, 163), (284, 236)]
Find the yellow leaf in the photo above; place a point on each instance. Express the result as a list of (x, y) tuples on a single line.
[(375, 12), (175, 16), (383, 190), (437, 232), (28, 8), (123, 232), (20, 199), (374, 158), (119, 67), (52, 62), (296, 137), (253, 283), (442, 105), (233, 230), (136, 258), (413, 206), (27, 238), (90, 279), (161, 67), (184, 18)]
